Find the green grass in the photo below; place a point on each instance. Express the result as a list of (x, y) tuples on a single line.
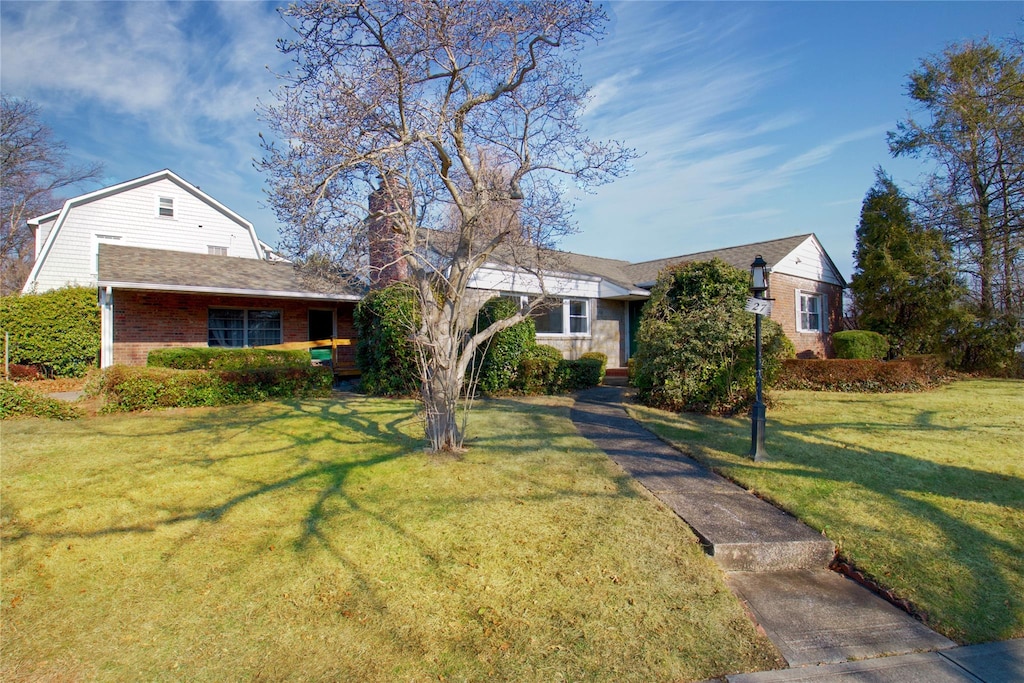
[(317, 541), (924, 492)]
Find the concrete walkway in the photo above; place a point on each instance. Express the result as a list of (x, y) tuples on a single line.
[(778, 567)]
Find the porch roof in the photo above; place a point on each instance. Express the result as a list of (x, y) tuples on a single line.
[(122, 267)]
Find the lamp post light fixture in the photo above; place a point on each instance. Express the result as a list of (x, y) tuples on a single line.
[(758, 287)]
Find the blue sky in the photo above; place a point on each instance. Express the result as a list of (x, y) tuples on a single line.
[(755, 120)]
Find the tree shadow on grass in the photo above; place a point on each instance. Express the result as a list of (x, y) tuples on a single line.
[(986, 602)]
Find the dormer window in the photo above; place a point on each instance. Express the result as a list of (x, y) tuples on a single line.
[(166, 207)]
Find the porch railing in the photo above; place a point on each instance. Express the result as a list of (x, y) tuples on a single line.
[(343, 367)]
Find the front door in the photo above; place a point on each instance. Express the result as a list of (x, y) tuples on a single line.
[(321, 324)]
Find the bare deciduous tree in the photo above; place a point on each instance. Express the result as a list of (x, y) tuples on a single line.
[(33, 166), (463, 116)]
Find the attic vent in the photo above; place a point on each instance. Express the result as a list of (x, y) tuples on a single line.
[(166, 207)]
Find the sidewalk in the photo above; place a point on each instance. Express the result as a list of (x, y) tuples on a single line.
[(778, 567)]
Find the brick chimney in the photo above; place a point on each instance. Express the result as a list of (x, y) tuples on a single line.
[(386, 262)]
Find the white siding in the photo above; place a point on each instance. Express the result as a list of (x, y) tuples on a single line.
[(132, 216), (43, 232), (526, 283), (808, 261)]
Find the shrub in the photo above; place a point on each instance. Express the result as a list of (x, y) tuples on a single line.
[(58, 331), (126, 388), (537, 369), (915, 373), (17, 402), (860, 344), (696, 343), (498, 364), (385, 321), (985, 347), (217, 358), (602, 360)]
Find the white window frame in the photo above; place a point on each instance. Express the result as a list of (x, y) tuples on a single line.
[(160, 207), (214, 250), (245, 323), (567, 324), (801, 296)]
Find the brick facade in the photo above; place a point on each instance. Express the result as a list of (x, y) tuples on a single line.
[(784, 311), (144, 321)]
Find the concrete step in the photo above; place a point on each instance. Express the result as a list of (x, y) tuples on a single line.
[(740, 531), (820, 617)]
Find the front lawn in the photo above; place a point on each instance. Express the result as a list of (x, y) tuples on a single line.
[(317, 541), (924, 492)]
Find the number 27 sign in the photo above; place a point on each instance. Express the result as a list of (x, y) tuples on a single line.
[(758, 306)]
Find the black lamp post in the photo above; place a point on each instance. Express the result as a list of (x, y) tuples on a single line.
[(758, 286)]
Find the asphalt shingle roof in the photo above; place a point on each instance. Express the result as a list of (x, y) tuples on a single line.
[(155, 269), (773, 251)]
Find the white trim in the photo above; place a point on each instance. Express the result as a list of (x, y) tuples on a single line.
[(106, 327), (567, 323), (166, 174), (160, 207), (96, 240), (268, 293), (822, 307)]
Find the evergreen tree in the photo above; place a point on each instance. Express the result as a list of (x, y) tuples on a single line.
[(904, 286)]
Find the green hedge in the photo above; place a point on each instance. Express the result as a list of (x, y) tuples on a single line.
[(860, 345), (385, 321), (17, 402), (58, 331), (542, 370), (915, 373), (126, 388), (215, 358)]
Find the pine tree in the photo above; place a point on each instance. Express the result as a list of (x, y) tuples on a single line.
[(904, 286)]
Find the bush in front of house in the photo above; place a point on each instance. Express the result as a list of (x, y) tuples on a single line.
[(227, 359), (19, 402), (860, 345), (126, 389), (385, 321), (537, 370), (696, 342), (914, 373), (57, 331), (502, 354)]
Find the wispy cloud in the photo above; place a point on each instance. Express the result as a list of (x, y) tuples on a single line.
[(185, 69)]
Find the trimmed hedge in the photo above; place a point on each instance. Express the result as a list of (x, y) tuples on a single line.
[(57, 331), (215, 358), (860, 344), (126, 389), (20, 402), (385, 321), (542, 370), (915, 373)]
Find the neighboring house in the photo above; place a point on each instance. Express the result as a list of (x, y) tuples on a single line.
[(174, 267)]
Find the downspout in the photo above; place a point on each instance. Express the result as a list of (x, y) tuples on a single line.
[(106, 327)]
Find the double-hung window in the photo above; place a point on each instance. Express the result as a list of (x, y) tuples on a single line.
[(565, 317), (238, 327), (165, 207), (810, 312)]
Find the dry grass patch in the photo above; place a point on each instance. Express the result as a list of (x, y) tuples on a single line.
[(924, 492), (318, 541)]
